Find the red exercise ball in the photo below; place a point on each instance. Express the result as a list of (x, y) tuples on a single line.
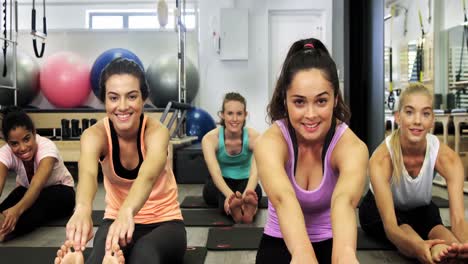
[(65, 80)]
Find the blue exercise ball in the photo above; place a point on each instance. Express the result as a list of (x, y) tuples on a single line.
[(198, 123), (107, 56)]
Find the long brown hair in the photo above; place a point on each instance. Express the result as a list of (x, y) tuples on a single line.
[(306, 54), (395, 143)]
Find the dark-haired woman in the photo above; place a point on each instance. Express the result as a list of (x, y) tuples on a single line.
[(311, 165), (44, 186), (142, 221)]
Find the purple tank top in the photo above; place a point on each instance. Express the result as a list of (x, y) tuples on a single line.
[(315, 204)]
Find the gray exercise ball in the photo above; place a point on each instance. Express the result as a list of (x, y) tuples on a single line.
[(162, 76), (27, 79)]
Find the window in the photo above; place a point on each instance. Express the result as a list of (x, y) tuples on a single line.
[(134, 19)]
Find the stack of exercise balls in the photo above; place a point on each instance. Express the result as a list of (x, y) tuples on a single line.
[(27, 79), (65, 80), (105, 58), (162, 75)]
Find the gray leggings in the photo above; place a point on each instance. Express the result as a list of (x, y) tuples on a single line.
[(164, 242)]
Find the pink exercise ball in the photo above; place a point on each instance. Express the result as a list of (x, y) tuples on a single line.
[(65, 80)]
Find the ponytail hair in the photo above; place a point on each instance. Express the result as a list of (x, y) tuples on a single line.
[(397, 159)]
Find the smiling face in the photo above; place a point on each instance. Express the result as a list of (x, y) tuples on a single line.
[(123, 101), (415, 117), (310, 101), (234, 115), (23, 143)]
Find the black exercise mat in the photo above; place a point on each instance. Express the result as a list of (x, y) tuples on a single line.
[(195, 255), (199, 202), (206, 217), (46, 255), (25, 255), (95, 215), (366, 242), (438, 201), (234, 238)]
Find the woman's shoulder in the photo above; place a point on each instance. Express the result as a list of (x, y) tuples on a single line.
[(381, 154), (94, 134), (252, 133)]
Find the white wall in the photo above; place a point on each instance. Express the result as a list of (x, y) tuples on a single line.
[(248, 77), (67, 32), (453, 14)]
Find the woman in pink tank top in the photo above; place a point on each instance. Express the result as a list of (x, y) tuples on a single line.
[(311, 191)]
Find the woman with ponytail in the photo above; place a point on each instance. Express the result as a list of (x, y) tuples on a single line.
[(311, 165), (398, 206)]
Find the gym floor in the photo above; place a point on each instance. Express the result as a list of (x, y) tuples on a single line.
[(197, 236)]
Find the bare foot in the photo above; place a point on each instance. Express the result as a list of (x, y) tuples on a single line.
[(65, 255), (2, 235), (116, 256), (250, 206), (463, 252), (235, 205)]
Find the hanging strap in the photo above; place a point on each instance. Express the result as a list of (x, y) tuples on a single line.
[(464, 36), (42, 35), (391, 96), (420, 50), (5, 42)]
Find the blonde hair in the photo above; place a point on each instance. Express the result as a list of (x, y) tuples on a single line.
[(395, 144)]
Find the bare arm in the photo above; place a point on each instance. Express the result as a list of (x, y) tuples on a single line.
[(209, 147), (450, 167), (92, 143), (347, 193), (80, 226), (271, 154), (3, 176), (41, 175), (253, 178)]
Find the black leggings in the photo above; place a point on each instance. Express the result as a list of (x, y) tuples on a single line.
[(421, 219), (274, 250), (54, 202), (157, 243), (214, 197)]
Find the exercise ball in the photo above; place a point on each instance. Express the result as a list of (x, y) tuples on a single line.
[(162, 76), (65, 80), (27, 79), (198, 123), (105, 58)]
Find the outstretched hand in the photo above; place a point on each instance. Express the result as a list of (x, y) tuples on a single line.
[(121, 231), (80, 228), (11, 218), (424, 250)]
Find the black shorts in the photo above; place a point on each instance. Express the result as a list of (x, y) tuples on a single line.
[(422, 219)]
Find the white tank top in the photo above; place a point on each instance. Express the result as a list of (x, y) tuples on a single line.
[(415, 192)]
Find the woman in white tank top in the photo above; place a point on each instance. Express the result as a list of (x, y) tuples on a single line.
[(401, 171)]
